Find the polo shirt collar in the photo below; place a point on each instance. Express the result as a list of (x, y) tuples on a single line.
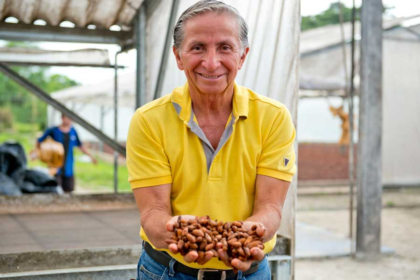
[(182, 102)]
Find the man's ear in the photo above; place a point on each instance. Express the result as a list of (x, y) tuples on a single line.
[(178, 58), (243, 57)]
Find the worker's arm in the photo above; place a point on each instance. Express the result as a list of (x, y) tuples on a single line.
[(155, 211), (48, 132), (269, 199), (156, 218), (86, 152), (270, 195)]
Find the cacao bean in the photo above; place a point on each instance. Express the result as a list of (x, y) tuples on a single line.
[(209, 247), (191, 238), (198, 232)]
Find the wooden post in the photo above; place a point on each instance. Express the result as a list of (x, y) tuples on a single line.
[(369, 192)]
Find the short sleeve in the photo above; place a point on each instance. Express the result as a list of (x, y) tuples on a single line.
[(78, 143), (147, 162), (278, 157), (47, 133)]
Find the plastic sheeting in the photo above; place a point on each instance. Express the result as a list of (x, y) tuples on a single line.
[(16, 179), (271, 66), (37, 56)]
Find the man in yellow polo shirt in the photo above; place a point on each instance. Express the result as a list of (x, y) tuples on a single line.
[(211, 147)]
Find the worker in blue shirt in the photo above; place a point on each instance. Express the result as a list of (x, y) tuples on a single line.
[(66, 135)]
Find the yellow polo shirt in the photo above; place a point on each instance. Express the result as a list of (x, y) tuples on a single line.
[(166, 145)]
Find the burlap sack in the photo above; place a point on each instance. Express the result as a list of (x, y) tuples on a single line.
[(52, 153)]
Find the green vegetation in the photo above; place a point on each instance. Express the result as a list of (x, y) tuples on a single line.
[(100, 177), (24, 106), (330, 16), (390, 204)]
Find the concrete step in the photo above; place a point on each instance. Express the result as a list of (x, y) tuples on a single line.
[(69, 259), (85, 273)]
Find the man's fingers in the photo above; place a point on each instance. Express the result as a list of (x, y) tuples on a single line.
[(257, 254), (207, 256), (224, 257), (170, 224), (240, 265), (191, 257), (260, 230), (173, 248)]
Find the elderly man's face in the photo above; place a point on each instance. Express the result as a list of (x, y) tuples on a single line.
[(211, 53)]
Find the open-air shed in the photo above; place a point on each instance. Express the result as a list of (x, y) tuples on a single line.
[(271, 68)]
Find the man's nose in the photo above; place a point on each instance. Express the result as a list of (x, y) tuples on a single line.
[(211, 61)]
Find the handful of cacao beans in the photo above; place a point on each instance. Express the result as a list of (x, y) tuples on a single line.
[(204, 235)]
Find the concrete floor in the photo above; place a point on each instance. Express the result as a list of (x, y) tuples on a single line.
[(79, 230), (72, 230), (317, 242), (83, 228)]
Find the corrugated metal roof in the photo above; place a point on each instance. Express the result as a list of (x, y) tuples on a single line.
[(101, 13)]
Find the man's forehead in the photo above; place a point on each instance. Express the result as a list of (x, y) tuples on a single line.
[(211, 23)]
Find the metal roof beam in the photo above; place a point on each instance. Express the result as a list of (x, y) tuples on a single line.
[(21, 63), (28, 32)]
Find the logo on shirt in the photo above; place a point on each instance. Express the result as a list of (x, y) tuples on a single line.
[(286, 161), (73, 138)]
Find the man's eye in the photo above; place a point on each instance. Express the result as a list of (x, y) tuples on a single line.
[(197, 48), (226, 48)]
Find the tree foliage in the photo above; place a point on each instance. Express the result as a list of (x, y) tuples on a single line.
[(330, 16), (25, 107)]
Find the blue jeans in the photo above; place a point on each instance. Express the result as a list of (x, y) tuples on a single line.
[(149, 269)]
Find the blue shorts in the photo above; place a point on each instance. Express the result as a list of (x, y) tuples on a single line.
[(149, 269)]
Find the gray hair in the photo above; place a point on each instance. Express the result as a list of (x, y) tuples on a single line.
[(205, 6)]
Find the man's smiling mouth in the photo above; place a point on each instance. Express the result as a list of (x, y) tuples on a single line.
[(210, 76)]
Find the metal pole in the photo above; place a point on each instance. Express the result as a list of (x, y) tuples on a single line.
[(101, 144), (116, 122), (60, 107), (369, 192), (140, 38), (343, 47), (351, 117), (166, 49)]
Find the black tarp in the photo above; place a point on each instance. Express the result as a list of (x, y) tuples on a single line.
[(13, 161), (8, 186), (38, 182), (15, 178)]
